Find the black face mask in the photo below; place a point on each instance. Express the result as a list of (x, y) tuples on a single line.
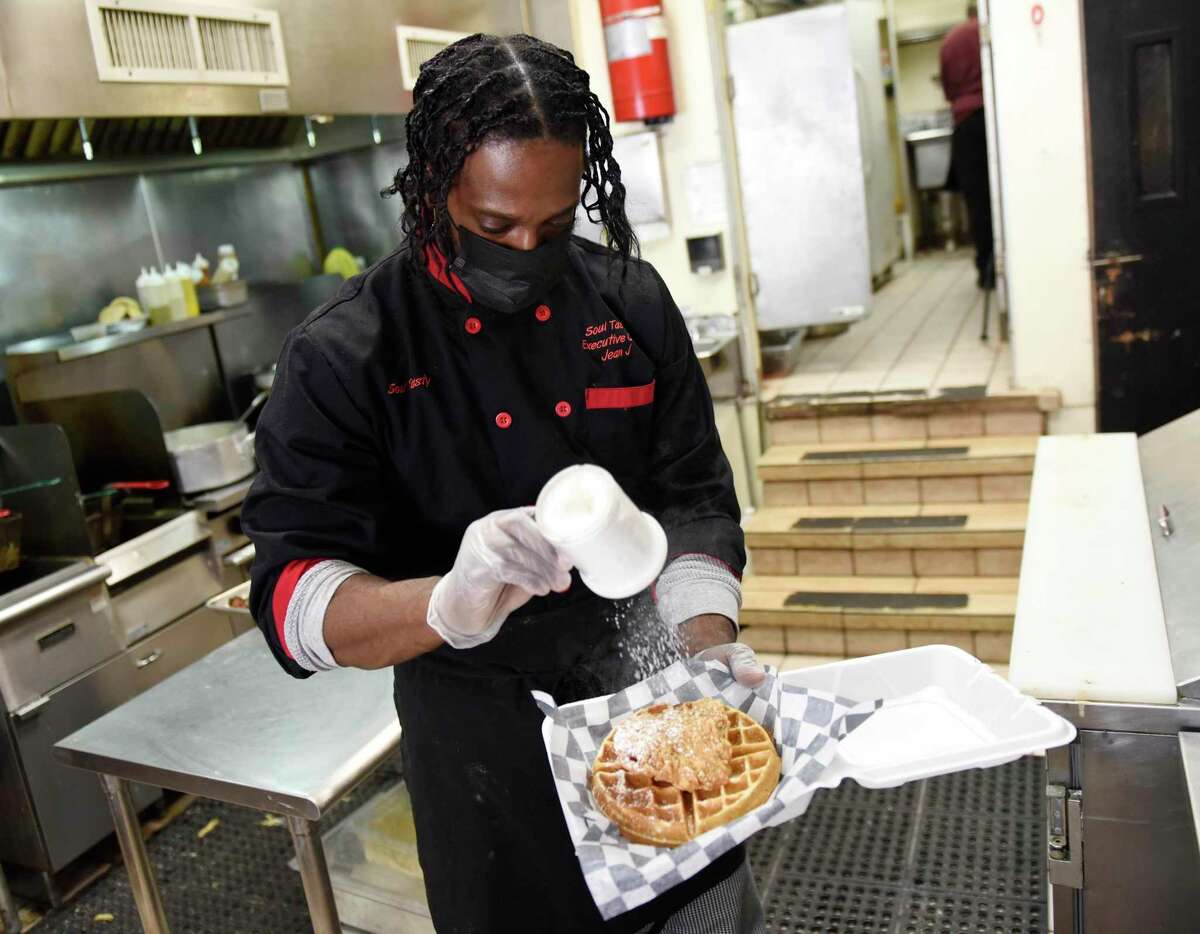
[(505, 279)]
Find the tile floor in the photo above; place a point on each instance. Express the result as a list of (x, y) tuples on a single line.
[(922, 334)]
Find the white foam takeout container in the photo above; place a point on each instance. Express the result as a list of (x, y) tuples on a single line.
[(945, 711), (221, 601)]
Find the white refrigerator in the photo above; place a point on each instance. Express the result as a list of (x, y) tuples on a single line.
[(810, 122)]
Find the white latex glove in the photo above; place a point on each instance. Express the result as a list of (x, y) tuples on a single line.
[(739, 658), (503, 562)]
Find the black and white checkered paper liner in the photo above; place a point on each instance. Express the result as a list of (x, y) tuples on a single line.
[(807, 727)]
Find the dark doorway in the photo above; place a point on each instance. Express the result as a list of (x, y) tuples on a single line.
[(1143, 74)]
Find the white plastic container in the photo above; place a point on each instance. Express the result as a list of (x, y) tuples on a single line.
[(585, 514), (945, 711), (942, 711)]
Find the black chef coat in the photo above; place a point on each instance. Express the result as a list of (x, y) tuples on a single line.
[(402, 411)]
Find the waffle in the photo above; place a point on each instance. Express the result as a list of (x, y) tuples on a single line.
[(678, 776)]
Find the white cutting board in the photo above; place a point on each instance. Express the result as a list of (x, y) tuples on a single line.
[(1089, 622)]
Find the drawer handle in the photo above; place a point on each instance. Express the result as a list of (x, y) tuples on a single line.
[(149, 659)]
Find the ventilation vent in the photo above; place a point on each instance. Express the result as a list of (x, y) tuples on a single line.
[(177, 41), (417, 46)]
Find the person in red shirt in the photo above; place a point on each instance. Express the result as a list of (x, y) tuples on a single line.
[(962, 82)]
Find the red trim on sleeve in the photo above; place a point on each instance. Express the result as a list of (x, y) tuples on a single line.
[(435, 262), (282, 596), (619, 397)]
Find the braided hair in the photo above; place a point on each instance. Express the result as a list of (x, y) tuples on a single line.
[(514, 88)]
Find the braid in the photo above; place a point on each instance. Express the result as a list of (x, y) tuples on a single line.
[(486, 87)]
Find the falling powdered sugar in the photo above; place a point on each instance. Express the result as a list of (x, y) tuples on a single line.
[(644, 642)]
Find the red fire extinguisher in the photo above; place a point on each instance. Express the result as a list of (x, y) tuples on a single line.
[(635, 34)]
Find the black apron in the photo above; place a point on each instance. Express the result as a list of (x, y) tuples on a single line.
[(493, 843)]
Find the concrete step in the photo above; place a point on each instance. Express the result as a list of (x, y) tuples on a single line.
[(933, 540), (953, 470), (964, 412), (795, 662), (841, 616)]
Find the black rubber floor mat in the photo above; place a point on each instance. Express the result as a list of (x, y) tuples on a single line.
[(960, 854), (888, 454), (877, 601), (853, 795), (909, 522), (963, 392), (1015, 791), (880, 523), (234, 880), (986, 855), (959, 913), (849, 843), (801, 905)]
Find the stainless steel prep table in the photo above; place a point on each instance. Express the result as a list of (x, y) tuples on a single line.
[(1107, 634), (234, 727)]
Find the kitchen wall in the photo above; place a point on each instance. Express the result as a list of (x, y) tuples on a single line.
[(346, 192), (68, 248), (920, 63), (691, 139), (912, 15), (1041, 117)]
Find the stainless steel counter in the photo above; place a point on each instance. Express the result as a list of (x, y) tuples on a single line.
[(235, 727), (1189, 752), (59, 348)]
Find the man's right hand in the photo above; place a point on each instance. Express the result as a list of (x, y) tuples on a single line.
[(503, 562)]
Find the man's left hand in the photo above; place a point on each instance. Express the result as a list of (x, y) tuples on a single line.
[(740, 659), (707, 638)]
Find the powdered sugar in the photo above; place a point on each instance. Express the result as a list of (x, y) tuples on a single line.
[(684, 745), (646, 643)]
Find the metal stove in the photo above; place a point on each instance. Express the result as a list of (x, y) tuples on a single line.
[(81, 634)]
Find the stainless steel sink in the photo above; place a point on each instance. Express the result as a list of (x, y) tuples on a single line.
[(715, 339), (712, 345), (931, 156)]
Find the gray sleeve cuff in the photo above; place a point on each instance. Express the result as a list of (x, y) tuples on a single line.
[(696, 584), (304, 626)]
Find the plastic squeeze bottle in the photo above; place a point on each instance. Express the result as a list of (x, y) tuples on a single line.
[(200, 268), (187, 280), (227, 264), (157, 304), (175, 294)]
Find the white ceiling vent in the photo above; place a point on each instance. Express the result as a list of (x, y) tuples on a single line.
[(417, 46), (178, 41)]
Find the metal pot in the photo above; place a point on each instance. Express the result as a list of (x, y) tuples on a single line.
[(211, 455)]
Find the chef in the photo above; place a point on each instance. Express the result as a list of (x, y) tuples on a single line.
[(414, 419)]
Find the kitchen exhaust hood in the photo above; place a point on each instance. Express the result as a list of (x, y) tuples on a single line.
[(66, 59)]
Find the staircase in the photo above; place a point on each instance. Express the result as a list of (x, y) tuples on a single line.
[(890, 523)]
